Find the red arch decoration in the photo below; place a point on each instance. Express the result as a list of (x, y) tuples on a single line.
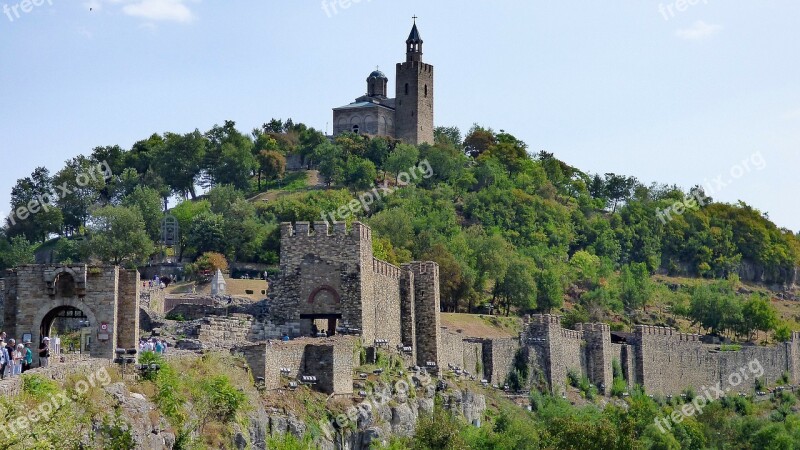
[(327, 288)]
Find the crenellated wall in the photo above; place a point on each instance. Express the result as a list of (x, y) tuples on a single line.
[(661, 359), (598, 354)]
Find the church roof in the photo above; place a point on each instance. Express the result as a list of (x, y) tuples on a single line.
[(414, 37), (377, 74), (362, 105)]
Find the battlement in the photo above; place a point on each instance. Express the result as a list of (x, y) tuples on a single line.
[(323, 229), (650, 330), (418, 66), (386, 269), (571, 334), (423, 268), (543, 319), (593, 327)]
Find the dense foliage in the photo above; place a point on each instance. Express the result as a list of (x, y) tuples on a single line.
[(511, 230)]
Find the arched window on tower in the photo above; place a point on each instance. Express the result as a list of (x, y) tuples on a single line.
[(426, 90), (355, 129), (406, 88)]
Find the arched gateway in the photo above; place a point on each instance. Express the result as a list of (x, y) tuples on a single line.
[(102, 299)]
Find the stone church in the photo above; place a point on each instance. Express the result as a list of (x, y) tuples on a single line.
[(407, 117)]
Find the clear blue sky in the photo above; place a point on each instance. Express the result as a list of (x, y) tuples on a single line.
[(678, 94)]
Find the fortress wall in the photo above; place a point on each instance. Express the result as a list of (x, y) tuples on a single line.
[(794, 350), (668, 362), (290, 355), (386, 313), (332, 364), (598, 354), (325, 256), (573, 355), (451, 352), (751, 361), (473, 357), (407, 313), (499, 358), (624, 354), (427, 311)]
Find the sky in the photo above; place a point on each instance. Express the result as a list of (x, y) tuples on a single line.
[(686, 92)]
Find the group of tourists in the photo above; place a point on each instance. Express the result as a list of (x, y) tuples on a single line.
[(16, 358), (153, 345)]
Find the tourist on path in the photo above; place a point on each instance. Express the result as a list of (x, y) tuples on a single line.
[(27, 361), (44, 352), (4, 359)]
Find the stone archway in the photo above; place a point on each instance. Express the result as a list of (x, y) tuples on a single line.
[(47, 314), (108, 297)]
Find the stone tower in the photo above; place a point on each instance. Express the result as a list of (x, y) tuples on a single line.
[(414, 108)]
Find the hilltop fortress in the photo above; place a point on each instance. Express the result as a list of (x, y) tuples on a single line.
[(335, 305), (331, 279)]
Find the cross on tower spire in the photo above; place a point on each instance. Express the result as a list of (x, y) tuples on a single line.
[(415, 18)]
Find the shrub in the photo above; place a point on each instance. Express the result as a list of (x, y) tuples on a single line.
[(572, 378), (222, 399), (38, 386)]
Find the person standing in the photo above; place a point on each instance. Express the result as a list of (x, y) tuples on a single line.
[(4, 359), (44, 352), (27, 361), (17, 369)]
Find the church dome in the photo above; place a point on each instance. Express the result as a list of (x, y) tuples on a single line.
[(377, 74)]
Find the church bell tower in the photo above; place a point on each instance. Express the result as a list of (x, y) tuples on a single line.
[(414, 107)]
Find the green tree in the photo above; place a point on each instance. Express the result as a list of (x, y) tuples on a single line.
[(180, 160), (16, 252), (118, 236), (402, 159), (550, 290), (635, 286), (34, 213), (148, 202), (518, 286), (185, 213), (272, 165), (206, 233)]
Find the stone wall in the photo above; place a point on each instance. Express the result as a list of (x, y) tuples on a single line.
[(408, 328), (668, 362), (224, 331), (557, 350), (128, 309), (332, 364), (154, 299), (498, 358), (473, 357), (330, 360), (427, 311), (598, 354), (73, 364), (386, 280), (321, 274), (451, 351)]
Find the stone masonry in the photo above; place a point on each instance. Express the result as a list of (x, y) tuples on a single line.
[(106, 295), (660, 359)]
